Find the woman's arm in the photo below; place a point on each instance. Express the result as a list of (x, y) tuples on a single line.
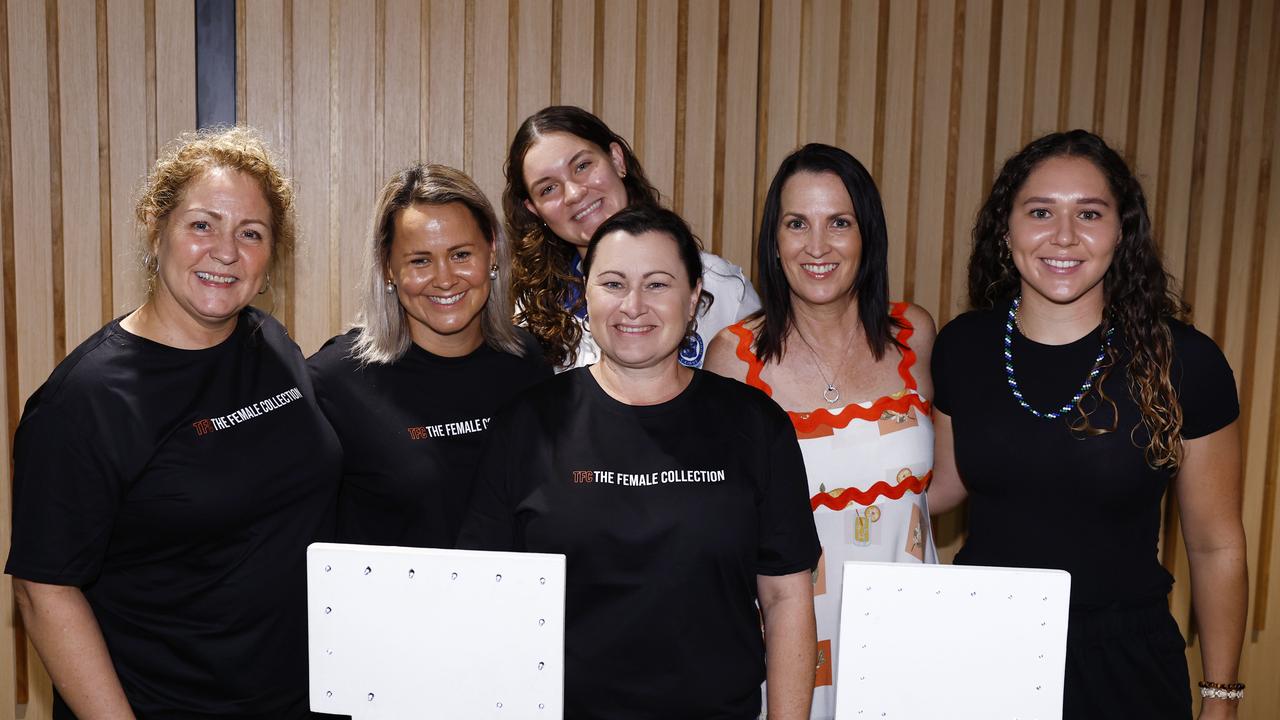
[(946, 490), (65, 633), (1209, 498), (790, 642)]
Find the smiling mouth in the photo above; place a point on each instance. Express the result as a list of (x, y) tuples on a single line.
[(588, 209), (446, 299), (818, 269), (1061, 264), (634, 329), (215, 278)]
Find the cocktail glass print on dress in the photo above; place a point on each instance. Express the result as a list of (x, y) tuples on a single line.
[(991, 642), (426, 633)]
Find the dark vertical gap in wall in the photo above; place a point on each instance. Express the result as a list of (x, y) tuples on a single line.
[(1137, 57), (1029, 72), (215, 62), (762, 126), (597, 59), (993, 92), (843, 76), (105, 257), (10, 311), (557, 19)]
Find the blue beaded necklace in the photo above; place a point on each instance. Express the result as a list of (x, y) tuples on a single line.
[(1013, 381)]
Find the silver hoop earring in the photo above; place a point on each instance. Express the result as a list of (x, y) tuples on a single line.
[(265, 286), (493, 271), (390, 288)]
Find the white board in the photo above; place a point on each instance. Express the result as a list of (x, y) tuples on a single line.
[(418, 633), (960, 642)]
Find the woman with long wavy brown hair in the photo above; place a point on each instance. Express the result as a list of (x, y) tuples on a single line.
[(1066, 403), (567, 172)]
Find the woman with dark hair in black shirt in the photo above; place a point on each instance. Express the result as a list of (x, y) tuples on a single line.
[(170, 473), (411, 389), (1067, 403), (674, 523)]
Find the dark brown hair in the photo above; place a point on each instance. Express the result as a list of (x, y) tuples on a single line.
[(1140, 295), (542, 280)]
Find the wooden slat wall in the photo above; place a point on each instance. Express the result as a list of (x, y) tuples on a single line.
[(931, 94)]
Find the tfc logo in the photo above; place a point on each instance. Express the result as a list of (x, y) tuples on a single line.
[(584, 476), (417, 433), (203, 427)]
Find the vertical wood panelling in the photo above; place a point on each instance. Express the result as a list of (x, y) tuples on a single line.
[(698, 161), (129, 163), (533, 62), (859, 78), (402, 81), (355, 179), (311, 108), (658, 102), (898, 111), (490, 101), (81, 233), (175, 55), (738, 171), (445, 83), (617, 84), (577, 53), (931, 95)]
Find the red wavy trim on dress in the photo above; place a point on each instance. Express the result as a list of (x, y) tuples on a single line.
[(807, 422), (871, 494)]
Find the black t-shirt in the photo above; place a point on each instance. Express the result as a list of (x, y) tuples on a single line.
[(1043, 496), (179, 490), (411, 435), (666, 513)]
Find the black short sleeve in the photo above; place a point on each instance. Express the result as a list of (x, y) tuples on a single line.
[(66, 497), (938, 367), (788, 540), (1204, 381)]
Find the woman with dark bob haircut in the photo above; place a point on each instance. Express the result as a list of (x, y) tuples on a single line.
[(1066, 403), (681, 534), (846, 363), (567, 172)]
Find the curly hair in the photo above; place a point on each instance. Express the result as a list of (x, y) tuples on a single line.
[(1140, 296), (870, 283), (543, 282), (191, 155)]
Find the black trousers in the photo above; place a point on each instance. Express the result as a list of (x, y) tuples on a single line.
[(1127, 664)]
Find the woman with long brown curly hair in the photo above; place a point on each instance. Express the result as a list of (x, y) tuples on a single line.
[(1066, 403), (567, 173)]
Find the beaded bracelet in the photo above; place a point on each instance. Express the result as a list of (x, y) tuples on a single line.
[(1216, 691)]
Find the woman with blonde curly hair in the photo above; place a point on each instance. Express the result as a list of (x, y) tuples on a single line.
[(567, 172), (1067, 403), (170, 473), (411, 388)]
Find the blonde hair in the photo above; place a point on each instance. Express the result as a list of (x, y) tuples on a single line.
[(188, 157), (383, 335)]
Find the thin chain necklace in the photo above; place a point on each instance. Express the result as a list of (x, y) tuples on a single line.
[(832, 393), (1013, 381)]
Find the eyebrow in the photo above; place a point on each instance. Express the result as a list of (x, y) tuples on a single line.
[(1081, 201), (572, 160), (219, 216), (449, 249), (648, 274)]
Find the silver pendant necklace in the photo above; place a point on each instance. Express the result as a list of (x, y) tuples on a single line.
[(832, 393)]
